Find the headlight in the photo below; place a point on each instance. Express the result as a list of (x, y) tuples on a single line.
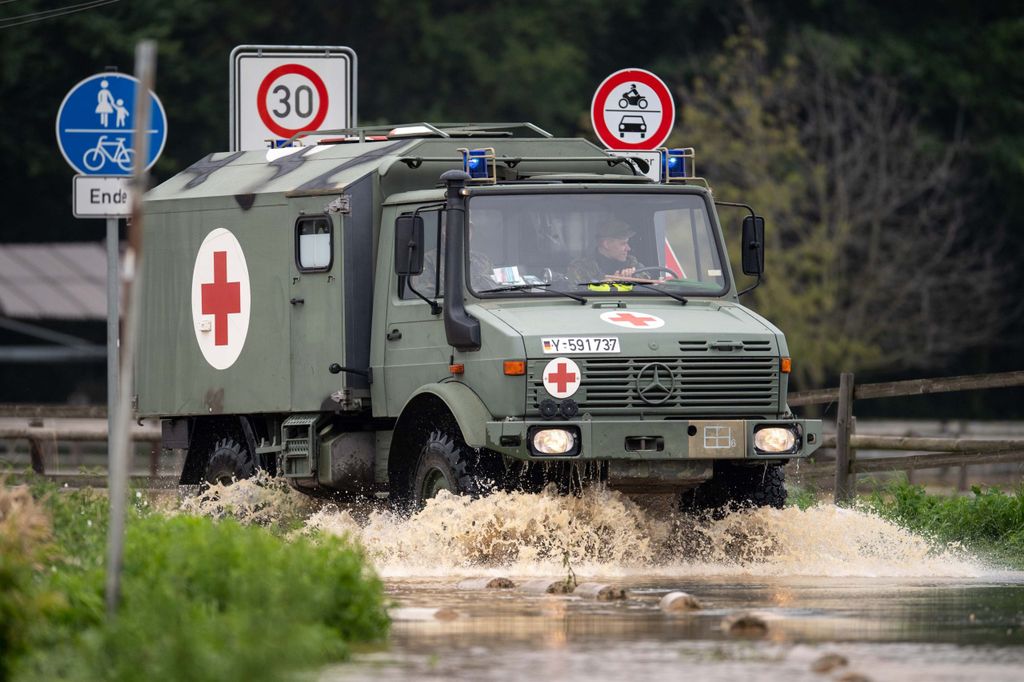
[(553, 441), (775, 439)]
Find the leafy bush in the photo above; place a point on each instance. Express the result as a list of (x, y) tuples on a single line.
[(202, 599), (24, 542), (990, 522)]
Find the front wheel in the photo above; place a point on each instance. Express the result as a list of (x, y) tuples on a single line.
[(737, 486), (446, 463)]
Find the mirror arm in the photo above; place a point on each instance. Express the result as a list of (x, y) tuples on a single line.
[(435, 309), (751, 287)]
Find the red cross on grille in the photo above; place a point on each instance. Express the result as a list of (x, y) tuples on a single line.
[(635, 320), (562, 377), (221, 298)]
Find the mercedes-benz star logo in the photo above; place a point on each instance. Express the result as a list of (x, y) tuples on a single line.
[(655, 383)]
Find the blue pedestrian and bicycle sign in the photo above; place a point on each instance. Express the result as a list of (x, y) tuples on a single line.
[(96, 125)]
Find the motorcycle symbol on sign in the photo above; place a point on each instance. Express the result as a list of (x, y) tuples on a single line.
[(632, 97)]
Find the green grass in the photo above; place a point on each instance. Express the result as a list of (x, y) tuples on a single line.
[(989, 522), (202, 599)]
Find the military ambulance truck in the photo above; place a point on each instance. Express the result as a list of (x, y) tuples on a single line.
[(461, 307)]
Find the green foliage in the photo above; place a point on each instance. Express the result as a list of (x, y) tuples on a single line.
[(801, 498), (24, 544), (989, 521), (201, 600)]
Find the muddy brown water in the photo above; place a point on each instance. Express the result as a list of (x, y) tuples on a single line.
[(826, 584)]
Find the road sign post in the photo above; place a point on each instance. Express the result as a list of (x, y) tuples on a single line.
[(277, 91)]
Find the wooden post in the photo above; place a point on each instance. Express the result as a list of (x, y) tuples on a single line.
[(845, 483), (37, 455)]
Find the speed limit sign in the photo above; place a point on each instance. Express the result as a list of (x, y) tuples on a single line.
[(278, 91)]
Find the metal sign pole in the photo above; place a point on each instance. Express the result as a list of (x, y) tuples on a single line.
[(113, 315), (120, 453)]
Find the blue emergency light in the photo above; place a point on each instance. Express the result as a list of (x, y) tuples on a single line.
[(677, 164), (480, 164)]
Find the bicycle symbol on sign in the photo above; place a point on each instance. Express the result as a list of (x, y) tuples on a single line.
[(109, 150)]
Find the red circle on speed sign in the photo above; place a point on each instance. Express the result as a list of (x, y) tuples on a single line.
[(284, 70), (632, 109)]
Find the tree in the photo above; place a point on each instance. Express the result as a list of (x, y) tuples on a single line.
[(873, 262)]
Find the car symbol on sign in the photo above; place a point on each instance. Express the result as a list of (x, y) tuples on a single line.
[(632, 124)]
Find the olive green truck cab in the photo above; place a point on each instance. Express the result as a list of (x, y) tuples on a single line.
[(365, 317)]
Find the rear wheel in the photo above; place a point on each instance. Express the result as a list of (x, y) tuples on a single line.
[(737, 486), (229, 461)]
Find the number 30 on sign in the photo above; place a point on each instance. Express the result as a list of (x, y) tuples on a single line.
[(277, 92)]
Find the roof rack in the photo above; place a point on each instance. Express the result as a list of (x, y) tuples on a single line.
[(424, 129)]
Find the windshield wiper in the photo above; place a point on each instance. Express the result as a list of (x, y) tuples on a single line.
[(629, 282), (539, 285)]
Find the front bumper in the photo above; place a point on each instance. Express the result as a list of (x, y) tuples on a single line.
[(650, 440)]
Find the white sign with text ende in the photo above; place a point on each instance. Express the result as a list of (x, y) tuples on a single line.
[(102, 196)]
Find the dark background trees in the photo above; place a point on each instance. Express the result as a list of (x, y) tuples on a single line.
[(884, 142)]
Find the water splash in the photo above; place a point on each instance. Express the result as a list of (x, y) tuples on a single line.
[(601, 533), (606, 534), (260, 500)]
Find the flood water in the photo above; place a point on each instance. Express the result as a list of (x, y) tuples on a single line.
[(817, 582)]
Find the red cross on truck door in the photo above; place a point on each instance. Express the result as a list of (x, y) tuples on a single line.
[(629, 320), (221, 299), (562, 378)]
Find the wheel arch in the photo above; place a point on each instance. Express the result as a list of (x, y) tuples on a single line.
[(449, 405), (204, 432)]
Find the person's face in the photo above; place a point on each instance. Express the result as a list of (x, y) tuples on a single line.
[(616, 248)]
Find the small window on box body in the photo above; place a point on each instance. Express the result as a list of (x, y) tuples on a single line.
[(314, 248)]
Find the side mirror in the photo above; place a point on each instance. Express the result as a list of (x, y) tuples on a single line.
[(753, 245), (409, 245)]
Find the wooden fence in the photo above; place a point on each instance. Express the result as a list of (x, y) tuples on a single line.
[(43, 425), (940, 452)]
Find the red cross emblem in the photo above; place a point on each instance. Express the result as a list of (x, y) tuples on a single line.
[(562, 377), (221, 298), (633, 320)]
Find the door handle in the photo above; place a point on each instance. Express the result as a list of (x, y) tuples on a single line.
[(297, 301), (394, 335)]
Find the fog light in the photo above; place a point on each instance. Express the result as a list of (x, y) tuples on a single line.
[(553, 441), (775, 439)]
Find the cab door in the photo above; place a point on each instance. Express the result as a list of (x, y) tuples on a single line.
[(416, 350), (314, 295)]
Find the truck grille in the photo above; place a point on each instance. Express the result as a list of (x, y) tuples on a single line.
[(706, 385)]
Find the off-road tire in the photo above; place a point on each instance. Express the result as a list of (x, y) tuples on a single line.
[(446, 463), (737, 486), (229, 461)]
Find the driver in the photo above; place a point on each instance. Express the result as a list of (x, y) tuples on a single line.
[(611, 258)]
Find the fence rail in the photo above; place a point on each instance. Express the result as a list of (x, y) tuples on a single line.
[(943, 451), (42, 425)]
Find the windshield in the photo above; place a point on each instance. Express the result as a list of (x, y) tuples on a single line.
[(575, 242)]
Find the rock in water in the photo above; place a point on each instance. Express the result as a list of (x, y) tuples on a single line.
[(745, 625), (828, 663), (600, 591), (679, 601)]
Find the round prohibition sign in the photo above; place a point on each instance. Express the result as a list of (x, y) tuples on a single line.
[(267, 116), (610, 97)]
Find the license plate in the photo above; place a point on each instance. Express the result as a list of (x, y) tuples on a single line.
[(566, 345)]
